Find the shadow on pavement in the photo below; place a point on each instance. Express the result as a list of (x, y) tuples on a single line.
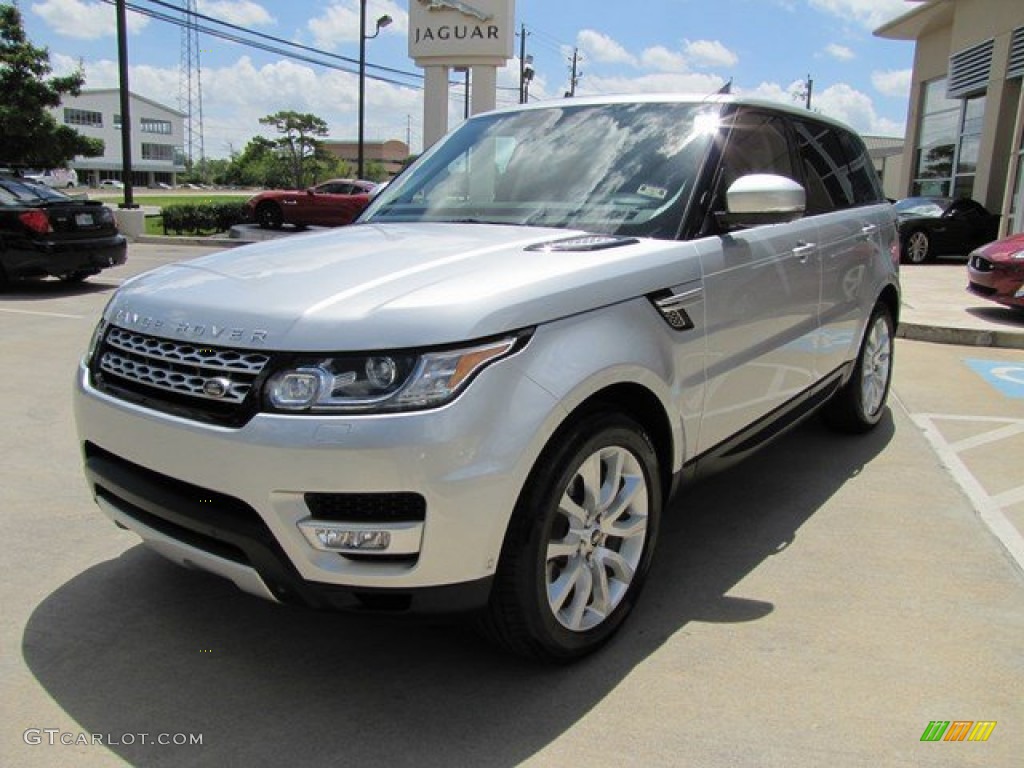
[(1013, 318), (34, 290), (137, 645)]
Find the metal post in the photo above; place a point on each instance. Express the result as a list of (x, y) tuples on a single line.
[(362, 83), (126, 116)]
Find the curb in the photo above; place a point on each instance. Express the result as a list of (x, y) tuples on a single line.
[(174, 240), (967, 337)]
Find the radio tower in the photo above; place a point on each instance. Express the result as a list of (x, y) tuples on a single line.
[(190, 86)]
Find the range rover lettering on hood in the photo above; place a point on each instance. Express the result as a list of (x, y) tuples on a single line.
[(127, 318)]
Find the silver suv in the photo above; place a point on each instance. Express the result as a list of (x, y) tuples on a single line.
[(481, 396)]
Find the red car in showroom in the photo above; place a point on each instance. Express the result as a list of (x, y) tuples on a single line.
[(331, 204), (996, 271)]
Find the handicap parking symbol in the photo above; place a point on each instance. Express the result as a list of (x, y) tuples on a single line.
[(1006, 377)]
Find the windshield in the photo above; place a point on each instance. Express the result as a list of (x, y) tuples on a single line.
[(624, 169), (922, 206)]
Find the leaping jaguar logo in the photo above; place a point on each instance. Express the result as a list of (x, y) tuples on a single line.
[(456, 5)]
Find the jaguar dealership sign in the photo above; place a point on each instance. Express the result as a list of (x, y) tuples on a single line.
[(452, 29), (473, 36)]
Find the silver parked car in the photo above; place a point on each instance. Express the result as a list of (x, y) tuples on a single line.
[(481, 396)]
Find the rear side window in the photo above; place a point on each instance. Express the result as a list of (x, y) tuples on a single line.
[(838, 173), (825, 168), (867, 187)]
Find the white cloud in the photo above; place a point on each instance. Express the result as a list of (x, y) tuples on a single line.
[(84, 20), (894, 82), (661, 59), (598, 46), (869, 13), (661, 82), (840, 52), (839, 101), (340, 22), (244, 13), (710, 53)]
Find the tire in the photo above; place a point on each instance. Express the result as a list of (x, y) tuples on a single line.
[(859, 405), (917, 248), (269, 216), (566, 581)]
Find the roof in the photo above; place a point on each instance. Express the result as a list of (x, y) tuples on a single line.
[(884, 146), (926, 16), (135, 96)]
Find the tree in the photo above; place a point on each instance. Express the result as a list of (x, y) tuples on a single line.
[(258, 165), (298, 144), (31, 135)]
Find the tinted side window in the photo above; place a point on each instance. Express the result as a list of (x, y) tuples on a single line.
[(825, 173), (867, 187)]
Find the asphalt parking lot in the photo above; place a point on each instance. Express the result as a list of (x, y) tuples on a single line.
[(822, 603)]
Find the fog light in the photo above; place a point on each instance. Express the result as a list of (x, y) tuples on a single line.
[(341, 540)]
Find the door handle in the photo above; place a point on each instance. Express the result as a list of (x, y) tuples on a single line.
[(803, 250), (868, 230)]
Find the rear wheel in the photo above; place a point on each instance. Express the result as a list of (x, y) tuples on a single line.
[(917, 248), (269, 216), (579, 543), (859, 405)]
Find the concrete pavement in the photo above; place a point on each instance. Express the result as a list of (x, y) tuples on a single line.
[(938, 308)]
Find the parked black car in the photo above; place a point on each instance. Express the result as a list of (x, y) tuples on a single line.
[(44, 232), (937, 226)]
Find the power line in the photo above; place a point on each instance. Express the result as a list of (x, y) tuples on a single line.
[(223, 35)]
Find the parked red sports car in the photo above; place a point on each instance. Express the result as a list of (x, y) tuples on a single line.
[(996, 271), (331, 204)]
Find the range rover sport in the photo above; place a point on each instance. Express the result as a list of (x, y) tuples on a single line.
[(481, 395)]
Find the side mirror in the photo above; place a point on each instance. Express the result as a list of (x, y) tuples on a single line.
[(310, 191), (762, 198)]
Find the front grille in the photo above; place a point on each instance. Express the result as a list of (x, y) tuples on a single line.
[(199, 381), (367, 507), (983, 290)]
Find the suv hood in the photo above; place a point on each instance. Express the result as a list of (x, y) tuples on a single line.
[(389, 286)]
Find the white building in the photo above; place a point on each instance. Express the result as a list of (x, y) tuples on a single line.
[(157, 137)]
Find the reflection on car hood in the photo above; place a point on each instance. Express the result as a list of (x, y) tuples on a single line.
[(375, 286)]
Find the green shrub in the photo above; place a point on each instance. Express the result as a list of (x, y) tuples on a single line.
[(201, 218)]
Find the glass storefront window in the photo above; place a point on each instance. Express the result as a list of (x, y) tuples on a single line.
[(949, 142)]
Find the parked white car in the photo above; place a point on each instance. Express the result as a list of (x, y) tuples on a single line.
[(111, 184), (56, 178), (480, 396)]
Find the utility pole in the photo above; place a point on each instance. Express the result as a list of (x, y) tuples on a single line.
[(575, 74), (522, 64), (810, 89)]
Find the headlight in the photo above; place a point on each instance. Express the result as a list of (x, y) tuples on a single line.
[(380, 382)]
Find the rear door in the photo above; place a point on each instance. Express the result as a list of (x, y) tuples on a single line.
[(845, 202), (761, 293)]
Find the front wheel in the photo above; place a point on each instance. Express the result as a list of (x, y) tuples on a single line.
[(579, 543), (269, 216), (859, 405)]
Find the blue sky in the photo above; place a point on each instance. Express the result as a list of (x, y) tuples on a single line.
[(767, 48)]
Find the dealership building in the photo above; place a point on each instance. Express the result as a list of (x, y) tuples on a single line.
[(157, 137), (966, 116)]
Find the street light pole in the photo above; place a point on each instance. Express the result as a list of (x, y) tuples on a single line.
[(382, 22)]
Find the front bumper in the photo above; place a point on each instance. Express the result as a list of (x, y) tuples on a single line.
[(233, 501), (995, 281)]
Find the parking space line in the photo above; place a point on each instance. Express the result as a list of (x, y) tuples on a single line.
[(989, 509), (994, 436), (41, 314)]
